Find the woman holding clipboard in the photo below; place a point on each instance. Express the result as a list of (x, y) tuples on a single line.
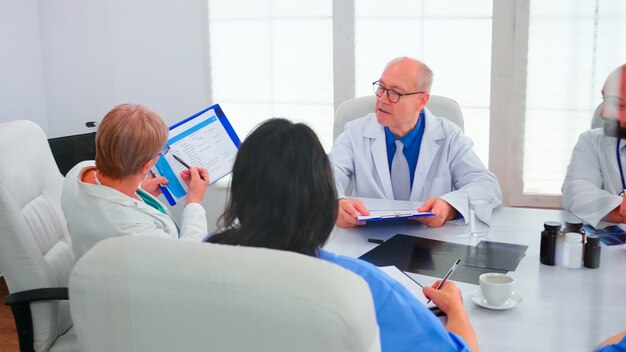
[(113, 196)]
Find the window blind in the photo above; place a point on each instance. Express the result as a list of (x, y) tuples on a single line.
[(453, 37), (273, 58), (572, 47)]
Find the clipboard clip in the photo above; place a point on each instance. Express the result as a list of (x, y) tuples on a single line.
[(395, 215)]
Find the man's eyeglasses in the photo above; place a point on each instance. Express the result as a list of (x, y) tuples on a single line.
[(392, 95), (165, 150)]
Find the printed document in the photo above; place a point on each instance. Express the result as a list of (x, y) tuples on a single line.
[(205, 139)]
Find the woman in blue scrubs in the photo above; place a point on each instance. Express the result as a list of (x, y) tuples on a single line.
[(283, 197)]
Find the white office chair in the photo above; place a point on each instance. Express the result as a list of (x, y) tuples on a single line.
[(361, 106), (152, 294), (596, 120), (36, 254)]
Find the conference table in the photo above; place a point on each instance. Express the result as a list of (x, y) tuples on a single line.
[(562, 309)]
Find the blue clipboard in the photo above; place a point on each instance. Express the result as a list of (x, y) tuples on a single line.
[(395, 216), (208, 118)]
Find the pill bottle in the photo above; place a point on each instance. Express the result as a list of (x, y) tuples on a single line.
[(573, 250), (592, 251), (548, 242)]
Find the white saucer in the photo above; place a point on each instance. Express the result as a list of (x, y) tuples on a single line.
[(478, 298)]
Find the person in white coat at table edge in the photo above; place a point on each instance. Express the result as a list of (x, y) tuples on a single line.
[(436, 165), (594, 185)]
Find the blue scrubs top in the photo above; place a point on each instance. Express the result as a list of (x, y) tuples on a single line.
[(616, 347), (404, 322)]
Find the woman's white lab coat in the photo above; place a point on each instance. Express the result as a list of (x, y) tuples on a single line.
[(447, 167), (94, 213)]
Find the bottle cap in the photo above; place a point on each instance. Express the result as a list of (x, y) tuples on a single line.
[(573, 225), (552, 225), (593, 240), (573, 237)]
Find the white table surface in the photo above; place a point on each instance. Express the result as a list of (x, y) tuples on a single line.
[(562, 309)]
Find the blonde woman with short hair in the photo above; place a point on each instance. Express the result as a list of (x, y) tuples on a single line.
[(113, 196)]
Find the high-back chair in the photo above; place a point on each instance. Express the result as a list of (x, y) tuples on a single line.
[(596, 120), (36, 254), (138, 294), (361, 106)]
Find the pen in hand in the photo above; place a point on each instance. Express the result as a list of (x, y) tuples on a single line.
[(185, 165), (164, 191), (445, 278), (161, 186)]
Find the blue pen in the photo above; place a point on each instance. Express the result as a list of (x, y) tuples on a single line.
[(165, 191)]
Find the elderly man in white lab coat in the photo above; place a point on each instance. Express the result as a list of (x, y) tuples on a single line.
[(594, 186), (404, 152)]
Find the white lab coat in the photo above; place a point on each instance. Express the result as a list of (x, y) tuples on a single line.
[(447, 167), (592, 184), (94, 213)]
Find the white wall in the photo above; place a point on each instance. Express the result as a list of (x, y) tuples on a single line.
[(22, 94), (98, 54), (66, 62)]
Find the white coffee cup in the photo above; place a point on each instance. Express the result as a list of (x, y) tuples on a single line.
[(497, 288)]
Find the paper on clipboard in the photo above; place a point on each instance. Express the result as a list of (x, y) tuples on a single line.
[(385, 209), (205, 139), (378, 215)]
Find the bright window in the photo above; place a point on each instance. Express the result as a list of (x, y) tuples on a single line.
[(453, 37), (273, 58)]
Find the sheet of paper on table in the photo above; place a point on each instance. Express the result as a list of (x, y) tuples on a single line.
[(423, 280)]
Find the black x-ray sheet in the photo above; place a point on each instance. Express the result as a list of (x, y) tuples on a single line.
[(434, 258)]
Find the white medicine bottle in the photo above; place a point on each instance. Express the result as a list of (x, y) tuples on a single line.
[(573, 250)]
